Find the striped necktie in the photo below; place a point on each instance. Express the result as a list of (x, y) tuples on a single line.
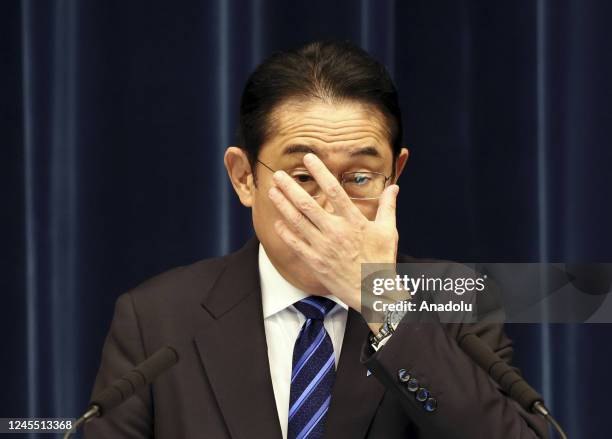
[(314, 371)]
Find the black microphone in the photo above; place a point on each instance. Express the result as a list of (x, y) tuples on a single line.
[(127, 385), (514, 384)]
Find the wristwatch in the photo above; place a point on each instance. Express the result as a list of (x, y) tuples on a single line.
[(390, 324)]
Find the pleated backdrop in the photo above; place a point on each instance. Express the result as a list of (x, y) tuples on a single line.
[(115, 116)]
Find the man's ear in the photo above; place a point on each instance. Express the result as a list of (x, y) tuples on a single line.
[(240, 174), (400, 162)]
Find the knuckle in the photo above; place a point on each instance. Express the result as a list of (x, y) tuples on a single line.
[(293, 242), (304, 205), (395, 236), (297, 219), (320, 265), (326, 250), (333, 192), (282, 231), (337, 239), (361, 226)]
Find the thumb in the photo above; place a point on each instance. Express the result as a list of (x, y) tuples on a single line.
[(387, 205)]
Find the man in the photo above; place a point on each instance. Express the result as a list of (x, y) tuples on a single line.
[(271, 339)]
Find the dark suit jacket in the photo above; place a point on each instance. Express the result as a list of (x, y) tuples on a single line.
[(211, 312)]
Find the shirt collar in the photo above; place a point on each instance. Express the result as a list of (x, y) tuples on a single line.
[(276, 292)]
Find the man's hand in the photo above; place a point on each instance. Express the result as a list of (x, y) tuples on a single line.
[(334, 245)]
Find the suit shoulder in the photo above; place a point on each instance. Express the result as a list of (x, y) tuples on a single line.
[(186, 285), (182, 281)]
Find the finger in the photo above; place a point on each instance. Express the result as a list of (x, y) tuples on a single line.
[(302, 201), (289, 237), (386, 212), (293, 216), (331, 187)]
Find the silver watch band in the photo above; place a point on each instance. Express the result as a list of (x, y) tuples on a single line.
[(384, 333)]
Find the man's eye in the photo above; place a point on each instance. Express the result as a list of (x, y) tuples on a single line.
[(302, 178), (360, 179)]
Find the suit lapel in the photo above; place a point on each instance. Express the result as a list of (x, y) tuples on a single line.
[(355, 397), (233, 349)]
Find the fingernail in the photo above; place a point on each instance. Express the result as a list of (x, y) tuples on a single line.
[(309, 157), (278, 176), (273, 192)]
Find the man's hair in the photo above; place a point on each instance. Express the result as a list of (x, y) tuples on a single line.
[(330, 71)]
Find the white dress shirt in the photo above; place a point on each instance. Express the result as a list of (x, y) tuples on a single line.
[(282, 322)]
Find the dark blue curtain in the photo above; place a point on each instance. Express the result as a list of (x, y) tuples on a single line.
[(115, 116)]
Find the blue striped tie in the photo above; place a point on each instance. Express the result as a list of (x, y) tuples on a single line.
[(314, 371)]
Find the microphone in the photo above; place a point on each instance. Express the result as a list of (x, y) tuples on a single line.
[(127, 385), (501, 372)]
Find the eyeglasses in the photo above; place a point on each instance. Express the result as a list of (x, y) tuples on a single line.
[(360, 185)]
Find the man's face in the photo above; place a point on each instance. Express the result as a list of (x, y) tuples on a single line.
[(347, 137)]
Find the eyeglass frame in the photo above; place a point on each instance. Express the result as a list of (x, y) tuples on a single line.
[(341, 181)]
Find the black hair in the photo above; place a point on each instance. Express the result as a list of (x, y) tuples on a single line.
[(332, 71)]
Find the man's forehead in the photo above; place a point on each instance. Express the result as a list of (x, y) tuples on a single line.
[(328, 129), (293, 113), (342, 118)]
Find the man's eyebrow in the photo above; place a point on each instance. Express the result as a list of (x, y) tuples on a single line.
[(305, 149), (366, 150), (298, 149)]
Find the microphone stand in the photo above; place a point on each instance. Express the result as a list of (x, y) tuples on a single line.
[(93, 412)]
